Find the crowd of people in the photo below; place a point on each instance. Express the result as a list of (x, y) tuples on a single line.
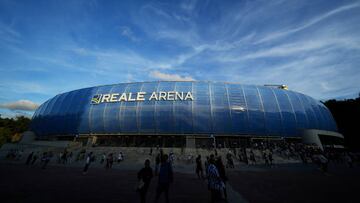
[(164, 171), (64, 157), (212, 169), (215, 176)]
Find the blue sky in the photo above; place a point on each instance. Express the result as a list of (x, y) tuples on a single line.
[(49, 47)]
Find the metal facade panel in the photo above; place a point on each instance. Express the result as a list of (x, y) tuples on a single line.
[(183, 119), (255, 109), (239, 110), (273, 120), (217, 108)]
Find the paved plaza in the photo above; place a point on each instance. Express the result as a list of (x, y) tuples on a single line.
[(282, 183)]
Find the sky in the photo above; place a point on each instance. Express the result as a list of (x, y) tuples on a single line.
[(50, 47)]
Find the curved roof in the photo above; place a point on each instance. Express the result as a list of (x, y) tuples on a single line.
[(215, 108)]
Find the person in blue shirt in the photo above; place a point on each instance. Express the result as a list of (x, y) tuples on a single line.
[(165, 178)]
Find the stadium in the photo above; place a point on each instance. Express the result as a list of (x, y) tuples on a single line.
[(184, 114)]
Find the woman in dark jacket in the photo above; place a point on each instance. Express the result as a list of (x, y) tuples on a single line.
[(144, 175)]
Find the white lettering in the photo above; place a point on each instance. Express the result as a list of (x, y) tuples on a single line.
[(171, 95), (113, 97), (131, 99), (189, 96), (140, 96), (105, 98), (153, 96), (123, 97), (162, 95), (180, 96)]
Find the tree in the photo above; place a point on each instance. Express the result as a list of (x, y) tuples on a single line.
[(10, 126), (347, 116)]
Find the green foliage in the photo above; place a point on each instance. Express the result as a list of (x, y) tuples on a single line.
[(347, 117), (10, 126)]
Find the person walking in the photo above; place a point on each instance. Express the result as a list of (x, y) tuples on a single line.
[(103, 157), (29, 158), (206, 164), (157, 163), (109, 161), (45, 159), (215, 183), (199, 168), (348, 160), (221, 169), (120, 157), (165, 178), (270, 155), (35, 157), (144, 176), (230, 161), (252, 157), (89, 159), (70, 157)]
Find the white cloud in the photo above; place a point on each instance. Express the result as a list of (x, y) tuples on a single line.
[(24, 105), (313, 21), (9, 35), (127, 32), (170, 77), (305, 46)]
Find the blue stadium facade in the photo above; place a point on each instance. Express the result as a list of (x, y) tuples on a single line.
[(181, 108)]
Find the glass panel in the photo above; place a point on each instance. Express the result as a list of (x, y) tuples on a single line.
[(183, 110), (85, 113), (147, 109), (97, 112), (111, 112), (66, 118), (330, 119), (37, 119), (78, 106), (164, 110), (288, 116), (256, 114), (201, 109), (318, 113), (128, 117), (301, 118), (43, 107), (313, 123), (273, 121), (327, 122), (239, 110), (50, 105), (220, 109), (51, 116), (57, 111)]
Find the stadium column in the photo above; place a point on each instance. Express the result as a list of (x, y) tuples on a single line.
[(91, 140), (311, 137), (190, 141)]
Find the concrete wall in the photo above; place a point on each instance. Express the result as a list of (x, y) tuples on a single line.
[(311, 136)]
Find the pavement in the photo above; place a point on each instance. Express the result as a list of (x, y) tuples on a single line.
[(280, 183)]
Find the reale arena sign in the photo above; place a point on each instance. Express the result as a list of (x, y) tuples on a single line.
[(142, 96)]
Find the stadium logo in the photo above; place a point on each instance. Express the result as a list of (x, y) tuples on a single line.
[(96, 99), (142, 96)]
